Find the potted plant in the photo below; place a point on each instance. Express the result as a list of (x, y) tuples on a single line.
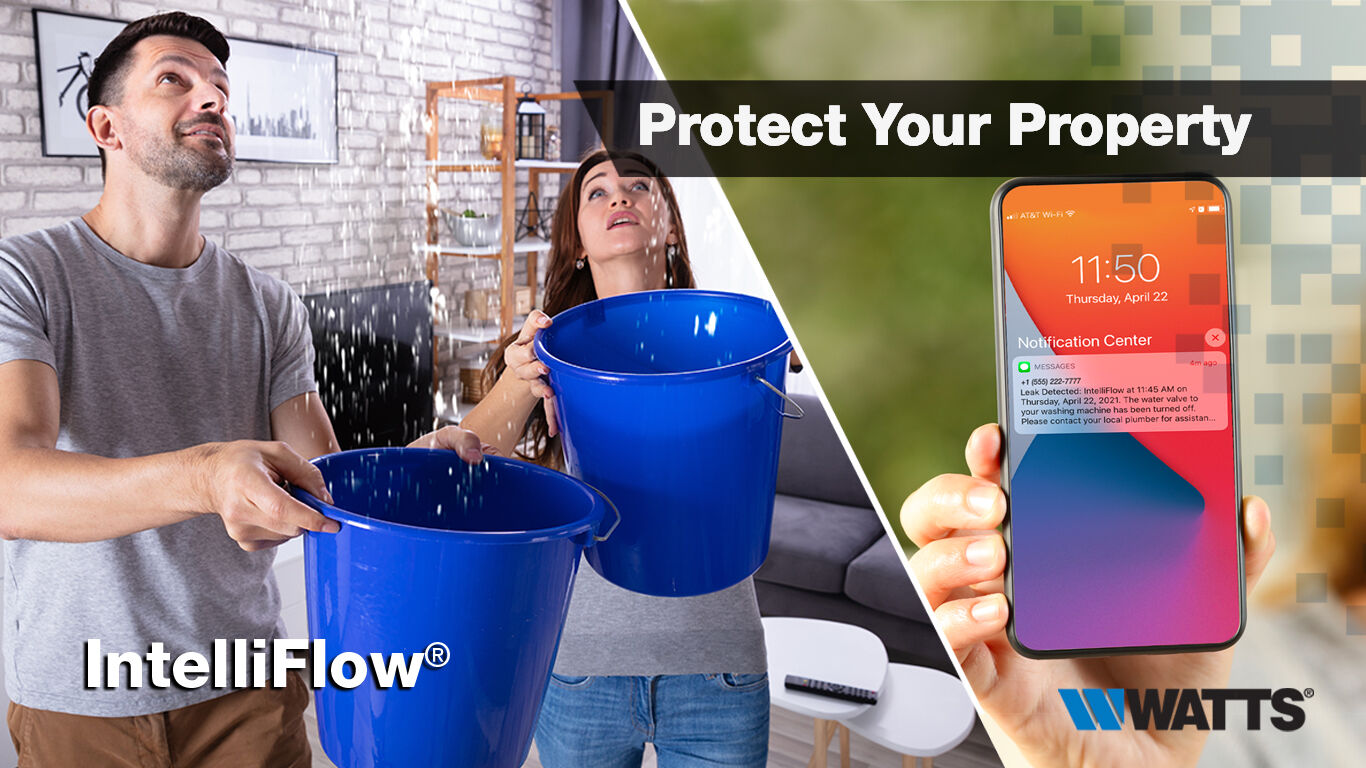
[(471, 229)]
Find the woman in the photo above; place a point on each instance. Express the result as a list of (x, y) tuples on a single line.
[(686, 674)]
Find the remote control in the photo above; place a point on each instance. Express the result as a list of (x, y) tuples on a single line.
[(832, 690)]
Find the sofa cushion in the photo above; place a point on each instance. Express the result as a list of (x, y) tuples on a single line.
[(813, 542), (812, 462), (878, 580)]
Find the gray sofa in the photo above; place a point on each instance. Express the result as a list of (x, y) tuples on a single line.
[(829, 557)]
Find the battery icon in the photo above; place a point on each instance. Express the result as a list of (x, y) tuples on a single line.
[(1023, 366), (1213, 209)]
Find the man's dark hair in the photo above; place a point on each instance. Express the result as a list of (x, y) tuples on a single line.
[(106, 77)]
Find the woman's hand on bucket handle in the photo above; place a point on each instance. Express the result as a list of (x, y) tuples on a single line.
[(520, 357), (464, 442)]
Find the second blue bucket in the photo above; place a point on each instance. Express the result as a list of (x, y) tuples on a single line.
[(671, 403), (478, 559)]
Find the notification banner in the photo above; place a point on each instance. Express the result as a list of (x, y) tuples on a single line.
[(1129, 392)]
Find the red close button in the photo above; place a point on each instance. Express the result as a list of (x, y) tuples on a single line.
[(1215, 337)]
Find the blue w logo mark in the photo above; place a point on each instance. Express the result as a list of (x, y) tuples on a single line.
[(1094, 707)]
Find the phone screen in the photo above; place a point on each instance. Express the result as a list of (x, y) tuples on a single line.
[(1116, 388)]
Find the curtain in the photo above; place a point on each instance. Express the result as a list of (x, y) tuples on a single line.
[(595, 42)]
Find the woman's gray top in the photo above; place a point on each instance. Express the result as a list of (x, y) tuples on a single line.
[(613, 631)]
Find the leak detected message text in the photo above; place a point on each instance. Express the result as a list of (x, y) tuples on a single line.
[(1128, 392)]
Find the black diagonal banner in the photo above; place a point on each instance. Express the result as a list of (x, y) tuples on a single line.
[(988, 128)]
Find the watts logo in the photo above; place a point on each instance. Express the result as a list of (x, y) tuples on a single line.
[(1176, 708)]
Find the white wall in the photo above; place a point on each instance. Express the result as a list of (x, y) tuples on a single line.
[(357, 223)]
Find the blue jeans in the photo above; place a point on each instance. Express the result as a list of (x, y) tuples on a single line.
[(693, 721)]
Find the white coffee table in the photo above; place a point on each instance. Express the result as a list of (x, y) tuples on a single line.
[(823, 650), (920, 712)]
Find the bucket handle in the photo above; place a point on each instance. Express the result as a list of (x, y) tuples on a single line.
[(617, 512), (786, 400)]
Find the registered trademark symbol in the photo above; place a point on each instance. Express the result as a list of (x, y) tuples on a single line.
[(437, 654), (1308, 693)]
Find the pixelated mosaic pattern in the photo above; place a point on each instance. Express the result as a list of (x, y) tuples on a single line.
[(1300, 249)]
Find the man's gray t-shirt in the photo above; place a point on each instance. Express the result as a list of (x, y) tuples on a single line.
[(148, 360)]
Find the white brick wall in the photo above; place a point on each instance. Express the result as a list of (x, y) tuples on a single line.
[(353, 224)]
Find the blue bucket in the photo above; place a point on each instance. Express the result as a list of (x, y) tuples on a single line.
[(433, 550), (671, 403)]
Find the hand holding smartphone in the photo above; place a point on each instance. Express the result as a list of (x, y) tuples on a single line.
[(1093, 574), (1116, 392)]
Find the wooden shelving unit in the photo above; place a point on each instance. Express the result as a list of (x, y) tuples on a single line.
[(493, 89)]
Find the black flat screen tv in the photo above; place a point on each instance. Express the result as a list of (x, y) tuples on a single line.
[(374, 362)]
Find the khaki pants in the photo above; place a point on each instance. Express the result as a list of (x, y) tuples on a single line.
[(255, 727)]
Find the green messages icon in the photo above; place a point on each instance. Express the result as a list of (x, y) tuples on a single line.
[(1024, 366)]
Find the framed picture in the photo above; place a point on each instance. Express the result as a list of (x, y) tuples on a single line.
[(67, 45), (284, 98)]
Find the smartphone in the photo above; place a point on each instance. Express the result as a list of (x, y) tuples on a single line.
[(1116, 391)]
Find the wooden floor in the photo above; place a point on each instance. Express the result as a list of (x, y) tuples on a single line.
[(789, 746)]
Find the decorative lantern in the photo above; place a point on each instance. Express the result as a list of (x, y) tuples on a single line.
[(530, 129)]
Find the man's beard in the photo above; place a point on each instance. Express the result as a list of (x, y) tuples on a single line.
[(182, 167)]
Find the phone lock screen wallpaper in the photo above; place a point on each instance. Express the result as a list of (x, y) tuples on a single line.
[(1122, 477)]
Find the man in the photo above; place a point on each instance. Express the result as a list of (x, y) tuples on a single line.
[(154, 393)]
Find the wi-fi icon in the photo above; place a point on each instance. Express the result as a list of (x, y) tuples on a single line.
[(1069, 214)]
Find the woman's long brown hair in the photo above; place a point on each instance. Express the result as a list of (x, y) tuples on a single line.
[(567, 286)]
